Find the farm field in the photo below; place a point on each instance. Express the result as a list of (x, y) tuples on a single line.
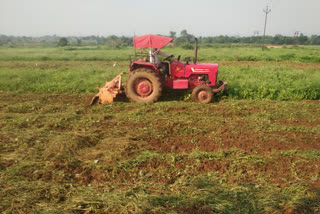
[(211, 52), (254, 149)]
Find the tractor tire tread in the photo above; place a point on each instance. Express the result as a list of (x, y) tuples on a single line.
[(155, 79), (199, 88)]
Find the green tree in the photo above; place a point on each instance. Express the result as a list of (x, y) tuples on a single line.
[(184, 32), (173, 34), (79, 41), (302, 39), (185, 37), (315, 40), (63, 42), (278, 39), (113, 41)]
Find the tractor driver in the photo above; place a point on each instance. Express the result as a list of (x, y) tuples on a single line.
[(154, 55), (154, 58)]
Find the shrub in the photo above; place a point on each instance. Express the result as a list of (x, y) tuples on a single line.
[(63, 42), (287, 56), (187, 46)]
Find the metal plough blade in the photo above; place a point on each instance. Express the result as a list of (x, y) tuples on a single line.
[(109, 91)]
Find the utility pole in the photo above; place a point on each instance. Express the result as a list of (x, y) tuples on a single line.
[(266, 11), (296, 35)]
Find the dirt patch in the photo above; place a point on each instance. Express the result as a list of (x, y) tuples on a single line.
[(210, 165), (264, 143), (45, 98), (316, 185), (85, 176), (194, 209), (274, 46), (281, 46), (154, 170), (111, 149), (281, 171), (303, 122), (175, 109)]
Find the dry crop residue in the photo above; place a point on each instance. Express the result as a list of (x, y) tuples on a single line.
[(176, 156)]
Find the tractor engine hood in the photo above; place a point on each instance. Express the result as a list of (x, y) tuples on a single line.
[(202, 68)]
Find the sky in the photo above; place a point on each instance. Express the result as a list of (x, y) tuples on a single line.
[(138, 17)]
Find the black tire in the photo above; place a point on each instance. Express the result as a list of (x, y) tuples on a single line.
[(202, 94), (137, 78)]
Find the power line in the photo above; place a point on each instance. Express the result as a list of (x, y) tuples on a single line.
[(266, 11)]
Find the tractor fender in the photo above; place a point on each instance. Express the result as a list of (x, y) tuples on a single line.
[(136, 65)]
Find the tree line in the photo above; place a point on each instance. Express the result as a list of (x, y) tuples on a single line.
[(184, 40)]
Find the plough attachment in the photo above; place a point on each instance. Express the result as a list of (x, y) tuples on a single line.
[(109, 91)]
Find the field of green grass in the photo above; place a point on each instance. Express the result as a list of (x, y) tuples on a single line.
[(254, 149), (247, 80), (306, 54)]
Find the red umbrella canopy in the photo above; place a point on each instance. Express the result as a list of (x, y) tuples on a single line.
[(151, 41)]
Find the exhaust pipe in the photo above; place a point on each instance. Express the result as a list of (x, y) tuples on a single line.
[(195, 54)]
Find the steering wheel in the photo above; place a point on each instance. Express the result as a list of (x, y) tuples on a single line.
[(167, 58)]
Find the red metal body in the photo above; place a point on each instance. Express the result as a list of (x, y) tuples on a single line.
[(181, 75), (184, 76), (145, 82), (195, 74), (143, 64)]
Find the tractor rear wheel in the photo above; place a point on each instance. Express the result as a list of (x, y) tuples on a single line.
[(202, 94), (143, 85)]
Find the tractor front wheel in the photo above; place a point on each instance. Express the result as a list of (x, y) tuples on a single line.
[(202, 94), (143, 85)]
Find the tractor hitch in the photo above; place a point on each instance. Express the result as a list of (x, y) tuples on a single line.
[(223, 85)]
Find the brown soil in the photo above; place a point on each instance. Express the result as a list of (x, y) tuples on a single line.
[(45, 98), (276, 168), (195, 209), (281, 171), (281, 46), (264, 143)]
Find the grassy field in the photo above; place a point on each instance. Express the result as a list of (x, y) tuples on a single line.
[(254, 149), (307, 54), (247, 80)]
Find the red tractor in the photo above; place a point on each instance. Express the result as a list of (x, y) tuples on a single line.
[(148, 75)]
